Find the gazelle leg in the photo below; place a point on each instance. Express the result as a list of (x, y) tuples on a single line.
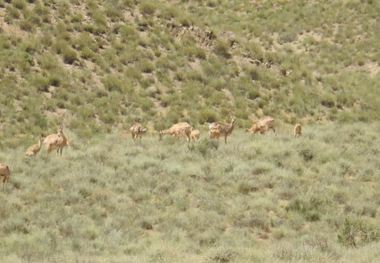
[(49, 149)]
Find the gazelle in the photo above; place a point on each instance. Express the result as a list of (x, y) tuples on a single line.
[(262, 125), (181, 129), (35, 148), (56, 141), (217, 130), (5, 173), (194, 135), (137, 131), (297, 131)]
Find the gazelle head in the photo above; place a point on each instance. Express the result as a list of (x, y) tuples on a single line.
[(60, 129)]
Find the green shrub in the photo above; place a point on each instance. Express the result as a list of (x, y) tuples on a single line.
[(11, 13), (205, 146), (146, 66), (19, 4), (222, 49), (147, 8), (87, 53), (85, 40), (114, 12), (207, 115), (310, 209), (328, 101), (99, 18), (54, 80), (222, 255), (112, 83), (256, 52), (185, 21), (40, 82), (169, 11), (26, 25), (48, 61), (306, 154), (253, 94), (128, 32), (354, 233), (254, 73), (247, 187), (69, 55), (287, 37)]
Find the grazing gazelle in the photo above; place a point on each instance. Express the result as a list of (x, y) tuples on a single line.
[(262, 125), (35, 148), (181, 129), (194, 135)]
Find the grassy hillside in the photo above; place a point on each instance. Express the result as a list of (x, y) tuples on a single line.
[(257, 199), (96, 64)]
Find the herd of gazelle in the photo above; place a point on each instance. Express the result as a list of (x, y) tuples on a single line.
[(57, 141)]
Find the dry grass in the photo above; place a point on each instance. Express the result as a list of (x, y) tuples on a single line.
[(269, 198)]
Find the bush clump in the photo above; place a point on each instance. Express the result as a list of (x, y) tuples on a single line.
[(112, 83), (205, 146), (19, 4), (354, 233), (328, 101), (207, 115), (147, 8), (222, 49), (69, 55), (310, 209)]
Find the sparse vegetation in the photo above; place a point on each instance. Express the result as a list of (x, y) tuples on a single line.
[(97, 66), (276, 59), (114, 199)]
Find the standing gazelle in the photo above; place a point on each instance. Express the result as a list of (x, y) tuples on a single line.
[(56, 141), (217, 130), (137, 130), (5, 172), (297, 131)]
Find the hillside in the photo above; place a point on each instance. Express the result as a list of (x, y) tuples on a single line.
[(95, 65)]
